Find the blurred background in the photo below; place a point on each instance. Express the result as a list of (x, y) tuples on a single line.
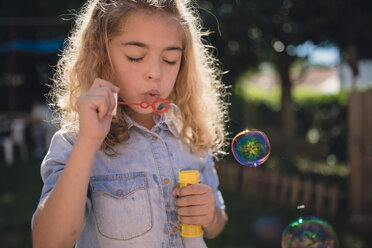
[(300, 71)]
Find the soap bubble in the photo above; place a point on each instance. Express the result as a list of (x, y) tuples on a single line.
[(172, 116), (160, 105), (309, 232), (251, 148)]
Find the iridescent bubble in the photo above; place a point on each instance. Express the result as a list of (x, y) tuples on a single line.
[(162, 106), (172, 117), (251, 148), (309, 232)]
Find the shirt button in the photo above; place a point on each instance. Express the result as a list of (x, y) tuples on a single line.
[(175, 229), (119, 192), (166, 181), (154, 138)]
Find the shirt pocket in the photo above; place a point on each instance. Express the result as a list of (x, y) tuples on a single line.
[(121, 205)]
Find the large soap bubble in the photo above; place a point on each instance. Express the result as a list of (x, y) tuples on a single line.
[(309, 232), (251, 148), (170, 114)]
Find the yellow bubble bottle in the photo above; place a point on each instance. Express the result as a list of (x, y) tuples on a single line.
[(187, 178)]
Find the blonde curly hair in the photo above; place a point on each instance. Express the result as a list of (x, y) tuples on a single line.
[(198, 91)]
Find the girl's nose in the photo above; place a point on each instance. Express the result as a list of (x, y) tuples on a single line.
[(154, 71)]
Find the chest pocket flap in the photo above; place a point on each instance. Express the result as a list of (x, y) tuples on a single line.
[(121, 205)]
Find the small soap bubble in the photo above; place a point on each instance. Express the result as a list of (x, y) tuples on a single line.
[(311, 232), (251, 148), (161, 106)]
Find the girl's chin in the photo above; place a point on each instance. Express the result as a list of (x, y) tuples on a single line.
[(141, 111)]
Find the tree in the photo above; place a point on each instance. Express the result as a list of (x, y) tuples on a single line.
[(24, 20), (253, 31)]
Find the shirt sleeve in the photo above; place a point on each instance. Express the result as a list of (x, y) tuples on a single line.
[(209, 176), (54, 164)]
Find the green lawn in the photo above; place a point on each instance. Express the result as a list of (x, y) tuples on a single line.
[(251, 219), (20, 187)]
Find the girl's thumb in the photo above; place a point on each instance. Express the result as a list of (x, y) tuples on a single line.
[(176, 190)]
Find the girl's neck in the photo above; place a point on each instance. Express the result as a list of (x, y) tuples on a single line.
[(145, 120)]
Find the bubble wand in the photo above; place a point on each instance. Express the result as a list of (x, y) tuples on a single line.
[(163, 107), (146, 104)]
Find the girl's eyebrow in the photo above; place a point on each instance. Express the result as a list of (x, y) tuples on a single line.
[(143, 45), (135, 43)]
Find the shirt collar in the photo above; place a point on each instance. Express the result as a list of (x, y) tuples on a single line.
[(129, 121), (170, 120)]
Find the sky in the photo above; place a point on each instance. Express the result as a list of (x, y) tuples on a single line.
[(328, 55)]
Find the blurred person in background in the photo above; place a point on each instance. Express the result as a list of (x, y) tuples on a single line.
[(42, 128)]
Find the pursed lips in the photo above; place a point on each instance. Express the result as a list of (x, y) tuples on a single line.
[(152, 95)]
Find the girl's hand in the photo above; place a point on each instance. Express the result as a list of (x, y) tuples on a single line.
[(95, 107), (195, 204)]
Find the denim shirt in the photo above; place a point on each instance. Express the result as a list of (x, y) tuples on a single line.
[(129, 201)]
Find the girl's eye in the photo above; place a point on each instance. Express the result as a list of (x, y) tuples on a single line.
[(170, 62), (134, 59)]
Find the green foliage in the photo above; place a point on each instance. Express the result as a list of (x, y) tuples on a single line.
[(327, 114), (321, 119)]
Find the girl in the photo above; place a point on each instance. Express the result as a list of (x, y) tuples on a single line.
[(111, 181)]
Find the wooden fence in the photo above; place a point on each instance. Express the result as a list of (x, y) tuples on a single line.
[(318, 198), (360, 158)]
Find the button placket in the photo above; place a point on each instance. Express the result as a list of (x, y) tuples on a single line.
[(162, 160)]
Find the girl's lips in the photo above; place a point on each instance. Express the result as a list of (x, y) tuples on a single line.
[(151, 96), (152, 92)]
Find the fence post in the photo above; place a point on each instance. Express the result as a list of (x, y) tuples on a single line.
[(355, 113), (249, 184), (319, 198), (232, 177), (308, 186), (367, 152), (274, 185), (265, 180), (334, 194), (360, 159), (295, 190), (284, 190)]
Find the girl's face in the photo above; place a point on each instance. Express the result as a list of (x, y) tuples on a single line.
[(146, 56)]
